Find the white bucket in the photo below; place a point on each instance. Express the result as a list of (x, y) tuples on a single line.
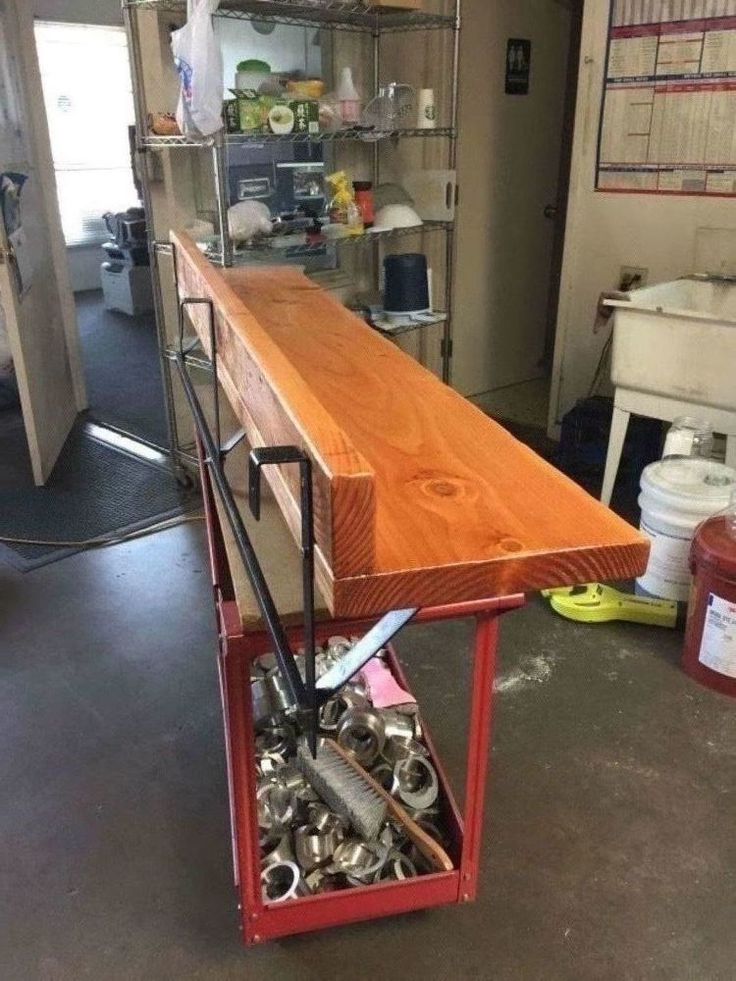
[(676, 495)]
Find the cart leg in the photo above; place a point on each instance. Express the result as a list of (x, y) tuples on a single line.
[(479, 741), (242, 766)]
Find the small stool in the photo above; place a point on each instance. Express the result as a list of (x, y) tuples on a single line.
[(627, 400)]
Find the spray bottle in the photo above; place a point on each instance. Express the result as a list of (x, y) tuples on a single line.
[(343, 209)]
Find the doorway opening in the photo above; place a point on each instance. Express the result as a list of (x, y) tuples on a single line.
[(87, 91), (533, 157)]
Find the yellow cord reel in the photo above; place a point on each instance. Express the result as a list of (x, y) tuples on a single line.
[(596, 603)]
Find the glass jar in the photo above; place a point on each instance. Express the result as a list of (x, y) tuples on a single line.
[(689, 436)]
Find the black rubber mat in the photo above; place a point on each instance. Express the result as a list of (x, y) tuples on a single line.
[(96, 490), (122, 370)]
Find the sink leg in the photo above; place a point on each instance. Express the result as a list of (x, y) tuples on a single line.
[(619, 425), (731, 451)]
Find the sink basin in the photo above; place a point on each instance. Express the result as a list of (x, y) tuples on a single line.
[(678, 340)]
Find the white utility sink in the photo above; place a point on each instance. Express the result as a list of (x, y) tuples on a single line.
[(674, 354), (678, 339)]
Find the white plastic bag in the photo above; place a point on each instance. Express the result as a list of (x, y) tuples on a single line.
[(199, 62)]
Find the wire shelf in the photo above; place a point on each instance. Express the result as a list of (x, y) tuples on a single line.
[(269, 254), (237, 139), (346, 15)]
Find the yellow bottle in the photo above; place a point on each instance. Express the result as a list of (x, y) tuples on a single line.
[(343, 209)]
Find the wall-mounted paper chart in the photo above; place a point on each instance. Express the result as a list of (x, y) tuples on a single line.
[(668, 118)]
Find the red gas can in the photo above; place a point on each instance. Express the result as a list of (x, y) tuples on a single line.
[(710, 635)]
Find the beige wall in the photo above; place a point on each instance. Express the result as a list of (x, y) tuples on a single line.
[(607, 231)]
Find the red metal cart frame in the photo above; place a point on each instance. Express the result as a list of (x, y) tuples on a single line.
[(238, 649)]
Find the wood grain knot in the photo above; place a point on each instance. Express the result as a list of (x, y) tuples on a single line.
[(510, 545), (442, 488)]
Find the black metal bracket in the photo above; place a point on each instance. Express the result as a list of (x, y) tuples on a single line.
[(306, 695), (267, 456)]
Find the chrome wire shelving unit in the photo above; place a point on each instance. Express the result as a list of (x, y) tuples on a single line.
[(356, 16), (366, 240), (369, 136), (345, 15)]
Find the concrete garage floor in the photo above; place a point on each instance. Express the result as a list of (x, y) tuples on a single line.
[(609, 849)]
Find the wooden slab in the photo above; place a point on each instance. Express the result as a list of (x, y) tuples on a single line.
[(450, 507)]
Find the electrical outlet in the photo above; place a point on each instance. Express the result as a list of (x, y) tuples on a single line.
[(632, 278)]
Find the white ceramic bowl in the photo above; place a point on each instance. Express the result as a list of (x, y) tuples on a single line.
[(397, 216)]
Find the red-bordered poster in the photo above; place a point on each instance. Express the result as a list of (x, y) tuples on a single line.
[(668, 119)]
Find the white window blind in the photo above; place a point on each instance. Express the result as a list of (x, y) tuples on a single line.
[(89, 102)]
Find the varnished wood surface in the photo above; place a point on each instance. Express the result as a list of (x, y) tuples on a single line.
[(457, 508)]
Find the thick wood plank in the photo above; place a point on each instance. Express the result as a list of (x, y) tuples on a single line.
[(276, 407), (462, 509)]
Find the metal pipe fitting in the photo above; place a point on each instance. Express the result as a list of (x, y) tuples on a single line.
[(383, 773), (337, 646), (335, 708), (417, 780), (290, 777), (277, 692), (397, 725), (275, 806), (398, 748), (315, 846), (282, 851), (269, 763), (261, 700), (276, 739), (282, 881), (359, 860), (361, 733), (396, 868)]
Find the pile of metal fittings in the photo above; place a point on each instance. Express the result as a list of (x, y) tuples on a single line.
[(305, 848)]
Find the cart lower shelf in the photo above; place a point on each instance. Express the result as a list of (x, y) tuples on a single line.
[(261, 921)]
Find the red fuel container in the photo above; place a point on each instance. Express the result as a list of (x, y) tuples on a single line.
[(710, 635)]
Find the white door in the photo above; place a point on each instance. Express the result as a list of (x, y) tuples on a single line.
[(37, 304), (509, 162)]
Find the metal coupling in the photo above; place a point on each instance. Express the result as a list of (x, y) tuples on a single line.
[(276, 739), (399, 748), (359, 860), (277, 692), (275, 805), (396, 868), (281, 881), (315, 845), (418, 785), (383, 774), (335, 708), (262, 710), (282, 851), (361, 733), (398, 725)]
